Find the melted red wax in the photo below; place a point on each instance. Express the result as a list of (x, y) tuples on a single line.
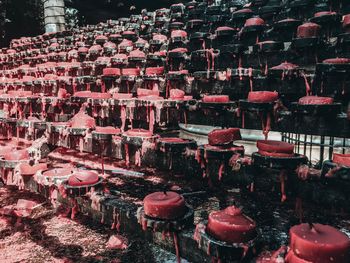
[(117, 242), (111, 72), (231, 226), (164, 205), (16, 155)]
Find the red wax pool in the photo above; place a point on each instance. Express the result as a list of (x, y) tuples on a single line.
[(224, 136), (337, 61), (262, 96), (83, 178), (216, 99), (308, 30), (172, 140), (230, 225), (315, 100), (254, 21), (224, 28), (82, 120), (179, 50), (342, 159), (164, 205), (319, 243), (275, 148)]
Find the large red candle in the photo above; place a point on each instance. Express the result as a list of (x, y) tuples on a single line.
[(319, 243), (164, 205), (231, 226)]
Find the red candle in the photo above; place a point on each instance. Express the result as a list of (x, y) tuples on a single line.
[(319, 243), (164, 205), (255, 21), (120, 96), (216, 98), (275, 148), (107, 130), (131, 72), (111, 72), (154, 71), (342, 159), (315, 100), (137, 54), (337, 61), (262, 96), (308, 30), (179, 33), (83, 178), (146, 92), (346, 23), (82, 120), (176, 94), (224, 136), (231, 226)]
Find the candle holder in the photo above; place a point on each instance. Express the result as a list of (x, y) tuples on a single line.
[(162, 225)]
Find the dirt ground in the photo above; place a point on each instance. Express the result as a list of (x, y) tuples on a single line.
[(51, 238)]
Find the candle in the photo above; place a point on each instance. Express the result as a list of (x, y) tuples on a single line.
[(216, 98), (83, 178), (164, 205), (318, 243), (342, 159), (275, 148), (262, 96), (315, 100), (224, 136), (231, 226), (308, 30)]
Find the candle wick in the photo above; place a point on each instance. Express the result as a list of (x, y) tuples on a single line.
[(311, 225)]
